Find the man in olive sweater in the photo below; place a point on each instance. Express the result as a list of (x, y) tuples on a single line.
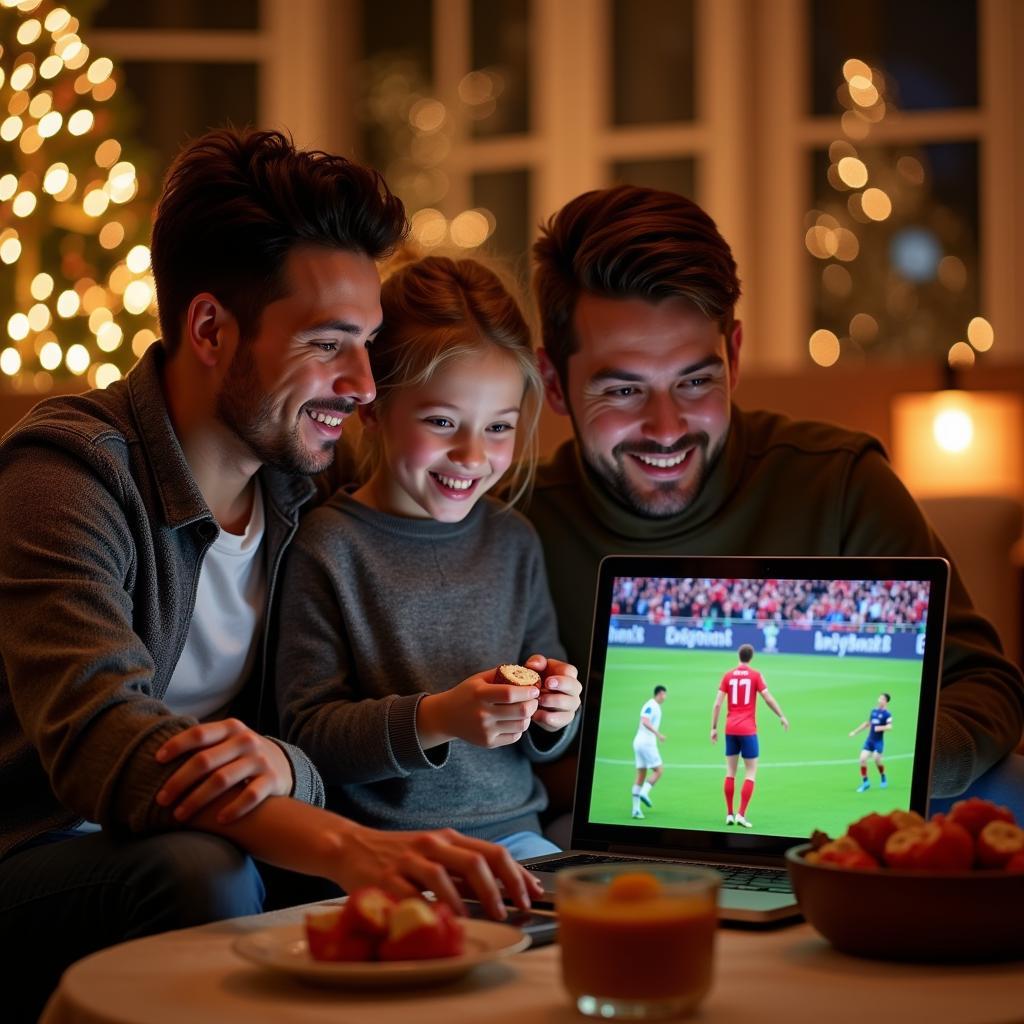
[(636, 291)]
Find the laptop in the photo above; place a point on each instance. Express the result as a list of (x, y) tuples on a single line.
[(827, 637)]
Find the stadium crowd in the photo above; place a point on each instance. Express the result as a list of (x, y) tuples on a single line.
[(849, 603)]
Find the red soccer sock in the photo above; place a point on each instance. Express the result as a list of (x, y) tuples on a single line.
[(863, 771), (730, 790), (745, 794), (881, 769)]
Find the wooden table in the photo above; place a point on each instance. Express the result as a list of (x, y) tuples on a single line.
[(791, 975)]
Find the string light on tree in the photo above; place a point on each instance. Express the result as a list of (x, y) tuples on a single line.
[(897, 271), (414, 132), (73, 205)]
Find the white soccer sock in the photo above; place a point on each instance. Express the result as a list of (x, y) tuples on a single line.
[(645, 789), (636, 790), (636, 803)]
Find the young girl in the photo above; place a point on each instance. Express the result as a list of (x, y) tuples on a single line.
[(398, 589)]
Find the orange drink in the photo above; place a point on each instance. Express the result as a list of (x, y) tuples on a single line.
[(637, 940)]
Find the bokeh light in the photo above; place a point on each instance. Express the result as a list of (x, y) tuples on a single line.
[(106, 375), (980, 334), (77, 359), (824, 347)]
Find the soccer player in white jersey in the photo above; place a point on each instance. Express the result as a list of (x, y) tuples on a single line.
[(645, 748)]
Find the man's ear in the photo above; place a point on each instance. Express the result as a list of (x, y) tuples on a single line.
[(733, 343), (210, 330), (552, 384)]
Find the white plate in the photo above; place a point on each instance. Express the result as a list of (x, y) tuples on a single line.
[(284, 949)]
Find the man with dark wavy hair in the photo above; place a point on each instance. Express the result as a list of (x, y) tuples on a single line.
[(636, 291), (143, 533)]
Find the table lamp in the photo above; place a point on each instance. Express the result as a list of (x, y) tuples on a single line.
[(959, 443)]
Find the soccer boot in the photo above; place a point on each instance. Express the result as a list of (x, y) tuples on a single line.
[(864, 786), (740, 820)]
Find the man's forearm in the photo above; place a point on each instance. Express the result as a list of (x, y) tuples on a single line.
[(284, 832)]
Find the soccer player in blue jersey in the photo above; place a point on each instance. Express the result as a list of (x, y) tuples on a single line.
[(645, 749), (878, 723)]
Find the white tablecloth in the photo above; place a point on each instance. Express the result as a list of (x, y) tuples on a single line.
[(788, 975)]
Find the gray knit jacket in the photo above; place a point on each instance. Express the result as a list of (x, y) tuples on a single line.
[(378, 611), (103, 534)]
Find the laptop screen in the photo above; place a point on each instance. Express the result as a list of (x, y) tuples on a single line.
[(821, 678)]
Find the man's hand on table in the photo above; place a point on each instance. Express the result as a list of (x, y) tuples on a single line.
[(443, 861), (224, 755), (232, 771)]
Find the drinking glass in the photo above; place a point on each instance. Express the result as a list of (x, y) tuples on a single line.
[(637, 940)]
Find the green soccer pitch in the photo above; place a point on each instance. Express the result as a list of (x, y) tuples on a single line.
[(806, 777)]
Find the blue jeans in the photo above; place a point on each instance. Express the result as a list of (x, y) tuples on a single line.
[(527, 844), (70, 894), (1003, 783)]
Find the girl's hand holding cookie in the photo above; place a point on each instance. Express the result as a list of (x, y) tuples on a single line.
[(560, 692), (478, 711)]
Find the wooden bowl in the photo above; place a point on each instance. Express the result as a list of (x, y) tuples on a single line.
[(912, 915)]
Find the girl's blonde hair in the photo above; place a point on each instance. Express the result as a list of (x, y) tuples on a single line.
[(438, 309)]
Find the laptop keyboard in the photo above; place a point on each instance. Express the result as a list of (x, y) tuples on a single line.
[(749, 879)]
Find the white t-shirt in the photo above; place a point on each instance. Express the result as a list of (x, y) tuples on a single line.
[(224, 635), (652, 712)]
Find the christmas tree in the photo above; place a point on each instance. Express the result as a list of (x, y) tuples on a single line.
[(898, 257), (76, 296)]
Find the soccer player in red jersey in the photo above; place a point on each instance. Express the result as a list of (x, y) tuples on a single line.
[(741, 686)]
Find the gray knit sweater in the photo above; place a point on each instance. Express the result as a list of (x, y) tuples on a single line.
[(378, 611)]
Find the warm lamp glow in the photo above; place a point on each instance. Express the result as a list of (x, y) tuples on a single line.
[(951, 443), (953, 430)]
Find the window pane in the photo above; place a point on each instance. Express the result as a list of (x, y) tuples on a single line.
[(496, 95), (672, 175), (927, 48), (178, 14), (397, 71), (653, 61), (907, 284), (176, 101), (400, 28), (506, 195)]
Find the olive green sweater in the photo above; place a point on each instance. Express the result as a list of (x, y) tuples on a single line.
[(781, 487)]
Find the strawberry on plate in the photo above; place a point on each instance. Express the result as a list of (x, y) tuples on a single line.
[(367, 912), (421, 931), (329, 938)]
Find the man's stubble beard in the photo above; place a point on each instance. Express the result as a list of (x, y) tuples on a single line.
[(247, 410), (662, 501), (659, 500)]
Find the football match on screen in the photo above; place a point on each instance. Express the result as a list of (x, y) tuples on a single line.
[(774, 706)]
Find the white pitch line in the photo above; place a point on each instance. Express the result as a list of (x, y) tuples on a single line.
[(763, 764)]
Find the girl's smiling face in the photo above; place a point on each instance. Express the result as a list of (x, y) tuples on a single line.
[(446, 443)]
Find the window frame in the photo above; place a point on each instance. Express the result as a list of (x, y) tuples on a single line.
[(751, 138)]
